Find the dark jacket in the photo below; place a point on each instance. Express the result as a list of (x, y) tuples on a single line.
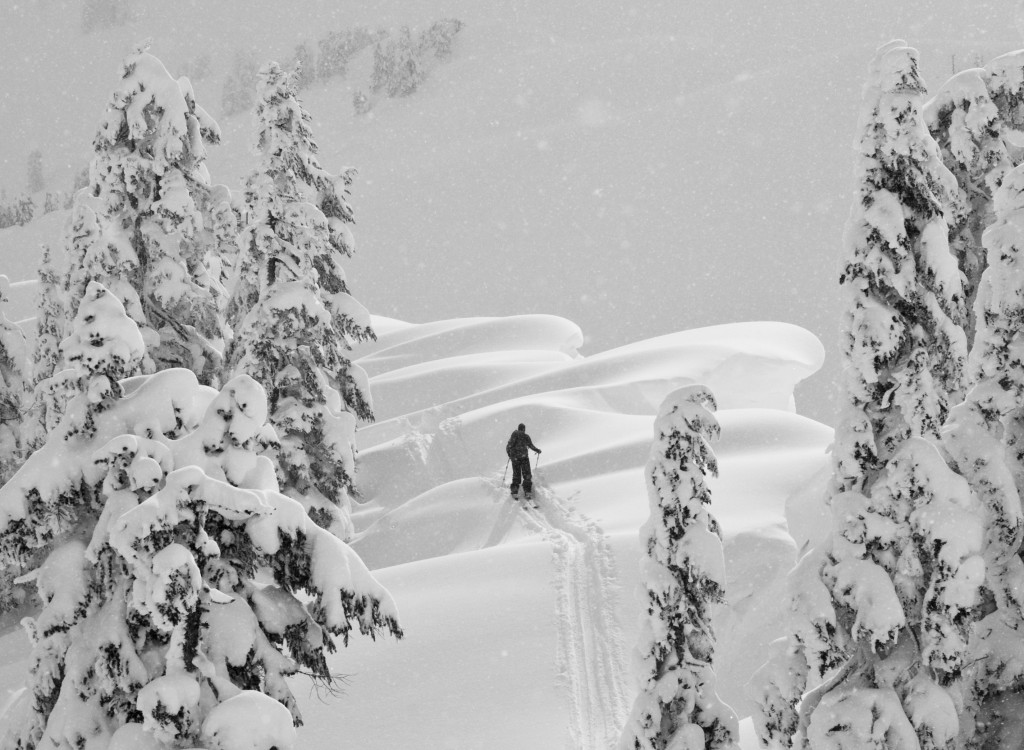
[(519, 445)]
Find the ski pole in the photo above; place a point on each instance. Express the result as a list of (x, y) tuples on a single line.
[(506, 470)]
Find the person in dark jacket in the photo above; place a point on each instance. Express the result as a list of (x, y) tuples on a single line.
[(518, 450)]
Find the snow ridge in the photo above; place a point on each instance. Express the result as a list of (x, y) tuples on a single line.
[(590, 649)]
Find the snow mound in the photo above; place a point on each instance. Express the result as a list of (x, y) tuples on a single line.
[(474, 570), (487, 361), (249, 721)]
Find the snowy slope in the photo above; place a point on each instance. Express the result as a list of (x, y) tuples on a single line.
[(520, 622), (523, 620)]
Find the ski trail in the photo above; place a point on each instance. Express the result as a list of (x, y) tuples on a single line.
[(590, 655)]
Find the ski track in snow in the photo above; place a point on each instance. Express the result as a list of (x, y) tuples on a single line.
[(590, 654)]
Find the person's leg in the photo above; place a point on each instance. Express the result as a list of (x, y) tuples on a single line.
[(527, 475), (517, 475)]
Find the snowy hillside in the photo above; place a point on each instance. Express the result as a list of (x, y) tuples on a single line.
[(519, 623), (611, 163)]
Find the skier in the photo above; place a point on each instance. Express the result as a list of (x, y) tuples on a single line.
[(518, 447)]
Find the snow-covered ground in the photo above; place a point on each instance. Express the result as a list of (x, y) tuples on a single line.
[(520, 622)]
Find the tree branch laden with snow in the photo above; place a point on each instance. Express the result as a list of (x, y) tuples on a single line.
[(200, 586)]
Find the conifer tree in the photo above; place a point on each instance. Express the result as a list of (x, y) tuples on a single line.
[(1005, 82), (96, 251), (683, 571), (46, 359), (383, 64), (240, 83), (45, 509), (906, 574), (13, 433), (360, 102), (397, 65), (903, 566), (977, 118), (405, 69), (814, 645), (300, 319), (903, 334), (13, 387), (24, 210), (35, 182), (983, 440), (980, 429), (222, 238), (180, 588), (335, 50), (439, 39), (965, 122), (150, 185)]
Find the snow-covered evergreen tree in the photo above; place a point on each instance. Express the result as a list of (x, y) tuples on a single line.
[(397, 65), (360, 103), (335, 50), (223, 218), (383, 64), (439, 38), (903, 336), (96, 250), (13, 387), (906, 573), (24, 209), (34, 180), (299, 319), (150, 184), (683, 570), (977, 118), (239, 90), (104, 347), (903, 568), (904, 563), (406, 72), (896, 591), (180, 587), (1005, 81), (48, 508), (977, 428), (13, 405), (983, 439), (51, 313), (303, 66), (55, 201), (814, 646), (965, 122)]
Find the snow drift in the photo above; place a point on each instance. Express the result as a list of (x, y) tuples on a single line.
[(519, 621)]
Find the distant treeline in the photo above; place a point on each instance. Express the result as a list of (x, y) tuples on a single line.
[(402, 61), (21, 209)]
